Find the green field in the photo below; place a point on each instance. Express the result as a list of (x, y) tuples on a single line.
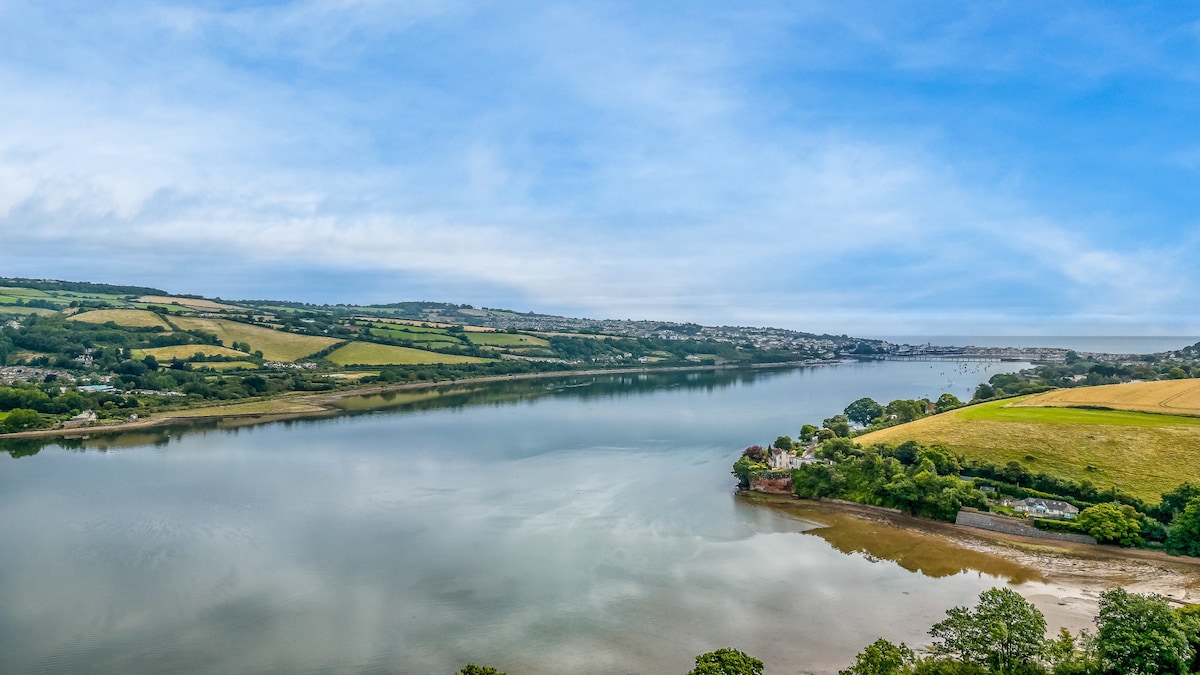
[(368, 354), (185, 352), (136, 318), (226, 365), (506, 340), (275, 345), (1140, 453)]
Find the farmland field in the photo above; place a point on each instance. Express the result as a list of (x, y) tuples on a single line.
[(1143, 454), (226, 365), (1168, 396), (137, 318), (275, 345), (368, 354), (194, 303), (507, 340), (185, 352), (274, 407)]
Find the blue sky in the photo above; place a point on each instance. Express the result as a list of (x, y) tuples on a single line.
[(858, 167)]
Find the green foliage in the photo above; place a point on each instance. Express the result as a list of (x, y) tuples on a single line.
[(864, 411), (1184, 533), (744, 468), (472, 669), (1003, 632), (726, 661), (783, 443), (881, 658), (1174, 502), (22, 419), (807, 432), (947, 667), (928, 487), (1140, 634), (1111, 523), (838, 424), (947, 402)]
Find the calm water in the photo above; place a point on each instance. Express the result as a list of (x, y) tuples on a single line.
[(581, 526)]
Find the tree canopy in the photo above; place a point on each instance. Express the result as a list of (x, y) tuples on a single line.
[(727, 661)]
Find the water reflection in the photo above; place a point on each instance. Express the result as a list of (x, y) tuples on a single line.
[(909, 546), (450, 396)]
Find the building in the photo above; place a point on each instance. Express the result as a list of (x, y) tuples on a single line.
[(1044, 508)]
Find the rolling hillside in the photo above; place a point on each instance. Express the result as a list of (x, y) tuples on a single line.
[(1144, 454)]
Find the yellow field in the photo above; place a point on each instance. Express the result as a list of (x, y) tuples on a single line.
[(275, 345), (136, 318), (194, 303), (1176, 397), (368, 354), (184, 352), (1142, 454)]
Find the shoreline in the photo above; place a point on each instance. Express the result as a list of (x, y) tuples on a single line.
[(1062, 579), (322, 403)]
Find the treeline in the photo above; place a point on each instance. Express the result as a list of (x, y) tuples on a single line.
[(921, 481), (1004, 634), (79, 286)]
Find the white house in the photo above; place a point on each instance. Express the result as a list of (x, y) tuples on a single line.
[(1045, 508)]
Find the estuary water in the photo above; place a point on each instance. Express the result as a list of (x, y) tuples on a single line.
[(581, 525)]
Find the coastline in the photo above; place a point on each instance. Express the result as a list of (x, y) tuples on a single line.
[(1063, 579), (321, 404)]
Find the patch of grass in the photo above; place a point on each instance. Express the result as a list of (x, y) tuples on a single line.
[(226, 365), (185, 352), (1142, 454), (135, 318), (194, 303), (369, 354), (275, 345), (507, 340)]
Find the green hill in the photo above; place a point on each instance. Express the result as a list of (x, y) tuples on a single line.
[(1144, 454)]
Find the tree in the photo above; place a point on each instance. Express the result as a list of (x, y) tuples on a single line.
[(1175, 501), (1111, 523), (472, 669), (1003, 632), (838, 424), (1184, 535), (1140, 634), (947, 402), (983, 392), (864, 411), (807, 432), (727, 661), (22, 419), (756, 453), (881, 658), (783, 443)]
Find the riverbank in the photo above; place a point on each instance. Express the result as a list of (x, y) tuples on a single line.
[(292, 405), (1063, 579)]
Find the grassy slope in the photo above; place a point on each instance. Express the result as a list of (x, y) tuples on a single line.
[(137, 318), (275, 345), (507, 340), (185, 352), (1170, 396), (1143, 454), (367, 354)]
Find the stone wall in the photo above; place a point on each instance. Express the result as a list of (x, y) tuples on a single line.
[(1005, 525)]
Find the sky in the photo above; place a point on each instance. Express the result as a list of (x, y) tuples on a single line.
[(1018, 168)]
